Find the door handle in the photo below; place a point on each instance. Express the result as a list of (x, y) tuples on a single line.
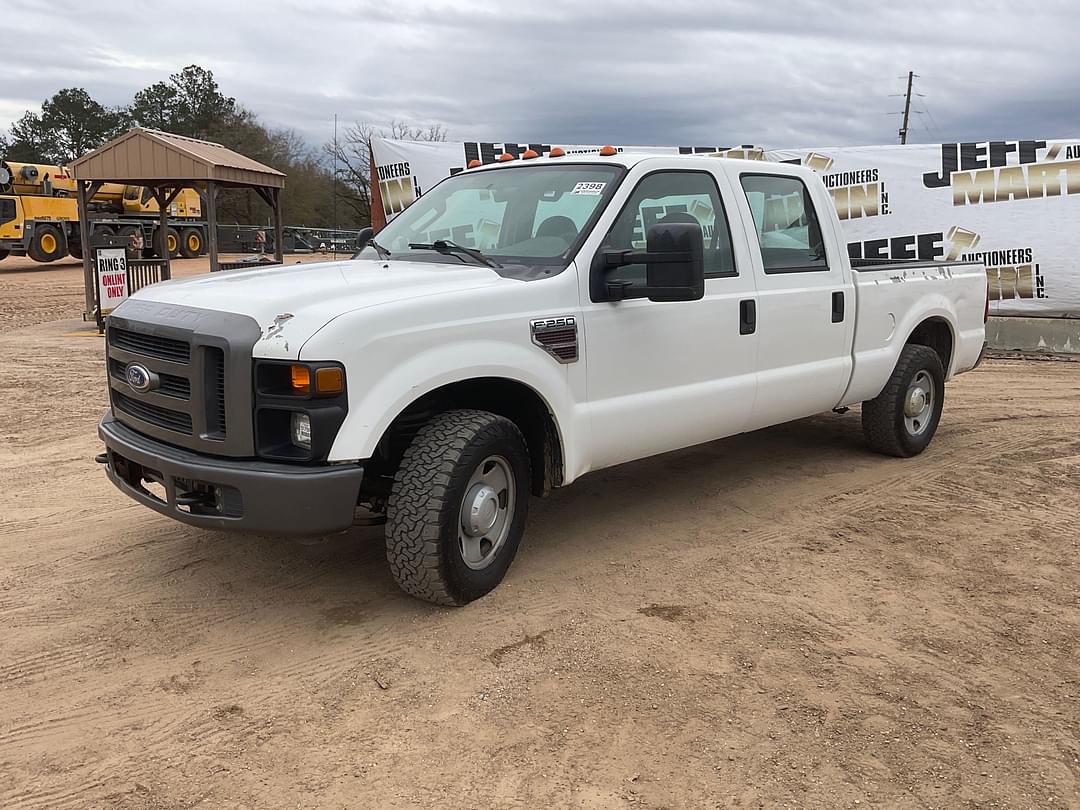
[(837, 307), (747, 317)]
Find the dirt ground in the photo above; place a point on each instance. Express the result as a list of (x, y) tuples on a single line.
[(776, 620)]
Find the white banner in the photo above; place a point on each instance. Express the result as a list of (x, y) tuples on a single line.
[(1014, 205), (406, 169)]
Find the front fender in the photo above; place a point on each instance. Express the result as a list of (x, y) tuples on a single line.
[(376, 400)]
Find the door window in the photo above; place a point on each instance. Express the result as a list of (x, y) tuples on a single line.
[(668, 197), (788, 229), (7, 210)]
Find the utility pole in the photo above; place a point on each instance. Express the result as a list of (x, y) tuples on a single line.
[(333, 239), (907, 108)]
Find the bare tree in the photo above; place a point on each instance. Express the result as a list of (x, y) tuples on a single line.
[(352, 153)]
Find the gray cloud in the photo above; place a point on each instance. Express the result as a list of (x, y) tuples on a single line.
[(794, 73)]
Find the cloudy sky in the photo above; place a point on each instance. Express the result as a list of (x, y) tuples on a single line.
[(788, 73)]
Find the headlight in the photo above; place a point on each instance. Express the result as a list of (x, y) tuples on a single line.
[(301, 430), (299, 408)]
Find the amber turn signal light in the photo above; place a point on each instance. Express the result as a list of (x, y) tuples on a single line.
[(329, 381), (300, 379)]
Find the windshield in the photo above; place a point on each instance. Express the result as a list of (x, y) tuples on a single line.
[(521, 217)]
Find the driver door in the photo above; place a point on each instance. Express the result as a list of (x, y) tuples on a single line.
[(665, 375)]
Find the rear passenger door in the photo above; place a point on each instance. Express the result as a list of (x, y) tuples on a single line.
[(805, 307)]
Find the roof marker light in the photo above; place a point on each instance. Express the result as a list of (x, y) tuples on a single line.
[(529, 154), (558, 151), (474, 163), (608, 151), (505, 156)]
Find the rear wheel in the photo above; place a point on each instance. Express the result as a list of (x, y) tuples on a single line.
[(903, 418), (457, 507), (171, 243), (125, 234), (48, 244), (101, 232), (191, 243), (4, 253)]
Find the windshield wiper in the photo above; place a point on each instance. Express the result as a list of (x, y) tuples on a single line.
[(383, 252), (446, 247)]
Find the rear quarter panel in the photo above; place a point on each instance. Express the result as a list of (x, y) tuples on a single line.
[(893, 301)]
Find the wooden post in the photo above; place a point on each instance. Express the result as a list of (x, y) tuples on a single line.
[(211, 223), (375, 208), (89, 276), (163, 229), (279, 230)]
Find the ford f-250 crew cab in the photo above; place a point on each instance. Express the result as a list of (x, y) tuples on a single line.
[(516, 327)]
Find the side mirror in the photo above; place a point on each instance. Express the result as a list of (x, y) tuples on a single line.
[(675, 269), (363, 237), (674, 261)]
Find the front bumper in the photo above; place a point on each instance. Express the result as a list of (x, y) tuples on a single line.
[(230, 494)]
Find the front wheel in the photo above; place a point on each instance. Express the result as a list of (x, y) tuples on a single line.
[(48, 244), (457, 508), (903, 418)]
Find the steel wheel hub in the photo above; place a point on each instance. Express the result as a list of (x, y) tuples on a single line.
[(916, 402), (482, 504), (487, 512), (919, 403)]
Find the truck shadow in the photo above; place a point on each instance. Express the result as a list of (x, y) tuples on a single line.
[(344, 578)]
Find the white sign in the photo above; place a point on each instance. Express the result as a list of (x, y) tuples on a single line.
[(112, 278), (1012, 205)]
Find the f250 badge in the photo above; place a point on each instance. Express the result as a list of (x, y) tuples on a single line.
[(556, 336)]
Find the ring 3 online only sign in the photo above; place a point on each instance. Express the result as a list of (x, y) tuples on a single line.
[(112, 278), (1014, 205)]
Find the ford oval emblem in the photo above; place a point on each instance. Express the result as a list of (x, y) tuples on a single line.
[(139, 377)]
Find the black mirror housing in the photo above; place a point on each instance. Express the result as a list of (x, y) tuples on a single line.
[(675, 267)]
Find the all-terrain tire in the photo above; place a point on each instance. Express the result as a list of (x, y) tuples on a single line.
[(424, 513), (886, 426)]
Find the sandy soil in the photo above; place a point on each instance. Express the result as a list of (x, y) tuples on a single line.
[(779, 619)]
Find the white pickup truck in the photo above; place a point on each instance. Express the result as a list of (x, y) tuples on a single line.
[(517, 327)]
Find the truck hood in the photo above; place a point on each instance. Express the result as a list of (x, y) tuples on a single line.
[(308, 296)]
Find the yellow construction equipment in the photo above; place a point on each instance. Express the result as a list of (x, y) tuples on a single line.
[(39, 216)]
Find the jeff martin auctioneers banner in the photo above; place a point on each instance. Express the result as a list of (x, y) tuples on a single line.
[(1014, 205)]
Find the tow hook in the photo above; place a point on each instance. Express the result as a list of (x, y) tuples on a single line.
[(102, 458), (204, 499)]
